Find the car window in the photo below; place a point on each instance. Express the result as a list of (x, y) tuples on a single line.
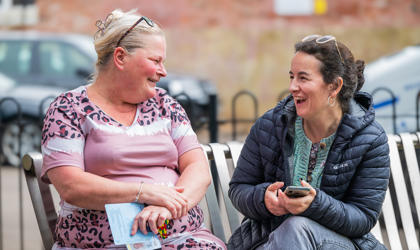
[(59, 59), (15, 58)]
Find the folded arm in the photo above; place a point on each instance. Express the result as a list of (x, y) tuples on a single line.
[(91, 191), (194, 180)]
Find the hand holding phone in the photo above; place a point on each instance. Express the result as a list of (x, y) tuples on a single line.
[(296, 191)]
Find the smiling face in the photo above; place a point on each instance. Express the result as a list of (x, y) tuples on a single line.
[(310, 92), (144, 68)]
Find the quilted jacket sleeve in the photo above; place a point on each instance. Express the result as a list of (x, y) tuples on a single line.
[(247, 186), (358, 211)]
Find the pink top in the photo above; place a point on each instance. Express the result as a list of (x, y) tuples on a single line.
[(78, 133)]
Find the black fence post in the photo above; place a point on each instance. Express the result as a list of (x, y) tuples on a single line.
[(213, 123)]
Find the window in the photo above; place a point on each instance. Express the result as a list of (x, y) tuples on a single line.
[(300, 7), (18, 12), (15, 58), (23, 2), (59, 59), (5, 4)]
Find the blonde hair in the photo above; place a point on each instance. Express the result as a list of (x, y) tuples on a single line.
[(115, 25)]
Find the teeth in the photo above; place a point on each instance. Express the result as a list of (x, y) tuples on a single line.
[(299, 99)]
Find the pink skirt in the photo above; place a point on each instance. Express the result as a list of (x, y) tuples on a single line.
[(84, 228)]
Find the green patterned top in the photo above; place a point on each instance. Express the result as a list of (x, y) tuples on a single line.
[(302, 156)]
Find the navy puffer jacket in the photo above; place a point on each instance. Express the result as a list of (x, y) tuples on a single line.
[(353, 185)]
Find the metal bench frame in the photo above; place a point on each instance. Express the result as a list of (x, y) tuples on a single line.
[(223, 218)]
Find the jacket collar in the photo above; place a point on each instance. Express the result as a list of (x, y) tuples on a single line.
[(285, 110), (360, 115)]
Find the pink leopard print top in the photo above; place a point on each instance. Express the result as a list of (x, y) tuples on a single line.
[(78, 133)]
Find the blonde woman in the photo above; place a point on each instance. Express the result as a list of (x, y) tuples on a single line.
[(120, 139)]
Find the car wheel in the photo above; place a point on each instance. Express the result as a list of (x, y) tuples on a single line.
[(30, 138)]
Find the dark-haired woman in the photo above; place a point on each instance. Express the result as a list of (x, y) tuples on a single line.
[(323, 136)]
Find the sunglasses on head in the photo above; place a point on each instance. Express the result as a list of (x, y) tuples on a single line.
[(146, 19), (323, 39)]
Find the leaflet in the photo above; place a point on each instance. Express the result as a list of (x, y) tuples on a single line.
[(121, 216)]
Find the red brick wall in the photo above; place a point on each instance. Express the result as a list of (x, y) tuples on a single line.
[(79, 15), (243, 44)]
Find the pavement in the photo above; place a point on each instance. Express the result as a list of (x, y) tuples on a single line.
[(13, 236)]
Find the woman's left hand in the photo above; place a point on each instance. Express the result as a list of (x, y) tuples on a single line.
[(154, 216), (299, 205)]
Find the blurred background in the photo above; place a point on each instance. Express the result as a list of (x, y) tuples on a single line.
[(228, 62)]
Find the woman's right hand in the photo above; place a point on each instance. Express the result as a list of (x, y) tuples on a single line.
[(273, 202), (169, 197), (154, 216)]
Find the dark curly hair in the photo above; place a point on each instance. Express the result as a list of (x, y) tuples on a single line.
[(333, 66)]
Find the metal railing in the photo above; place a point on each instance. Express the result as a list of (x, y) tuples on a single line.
[(235, 120), (393, 102)]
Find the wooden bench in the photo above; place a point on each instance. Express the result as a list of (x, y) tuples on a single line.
[(396, 231)]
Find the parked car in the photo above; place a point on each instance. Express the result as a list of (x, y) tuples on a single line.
[(53, 59), (35, 67), (22, 108), (398, 75), (40, 66)]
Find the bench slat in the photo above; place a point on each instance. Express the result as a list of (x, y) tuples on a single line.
[(390, 223), (216, 225), (413, 168), (41, 197), (402, 195), (223, 173), (235, 150)]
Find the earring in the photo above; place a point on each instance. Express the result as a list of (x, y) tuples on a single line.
[(331, 101)]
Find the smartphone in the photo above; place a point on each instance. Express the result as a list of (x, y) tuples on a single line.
[(296, 191)]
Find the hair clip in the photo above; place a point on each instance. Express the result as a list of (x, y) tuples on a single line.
[(102, 25)]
